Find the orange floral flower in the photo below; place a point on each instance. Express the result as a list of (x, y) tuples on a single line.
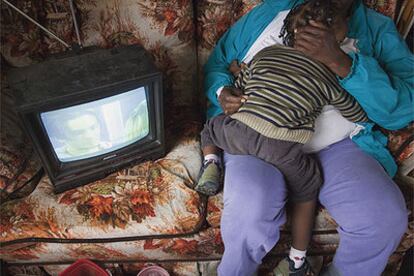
[(150, 244), (3, 181), (140, 197), (100, 205), (25, 210), (141, 211), (27, 253), (217, 238), (182, 246), (6, 224), (212, 208), (67, 197), (170, 15)]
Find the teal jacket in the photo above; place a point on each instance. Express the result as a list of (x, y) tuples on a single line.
[(381, 78)]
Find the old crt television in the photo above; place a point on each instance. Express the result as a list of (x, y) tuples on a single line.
[(92, 112)]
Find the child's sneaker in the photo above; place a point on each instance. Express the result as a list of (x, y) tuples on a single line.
[(286, 267), (209, 178)]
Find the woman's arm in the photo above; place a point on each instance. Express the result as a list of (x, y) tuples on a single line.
[(216, 72), (382, 84), (234, 44)]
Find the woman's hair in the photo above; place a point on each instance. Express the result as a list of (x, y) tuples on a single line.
[(317, 10)]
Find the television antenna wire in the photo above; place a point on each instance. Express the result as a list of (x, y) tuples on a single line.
[(50, 33)]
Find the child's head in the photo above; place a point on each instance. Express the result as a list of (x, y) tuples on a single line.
[(323, 11)]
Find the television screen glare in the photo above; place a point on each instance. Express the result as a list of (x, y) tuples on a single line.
[(98, 127)]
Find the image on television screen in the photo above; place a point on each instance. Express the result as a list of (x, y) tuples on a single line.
[(98, 127)]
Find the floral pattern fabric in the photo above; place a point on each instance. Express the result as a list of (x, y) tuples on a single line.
[(151, 206), (151, 198)]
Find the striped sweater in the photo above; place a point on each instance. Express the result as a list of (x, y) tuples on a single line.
[(287, 91)]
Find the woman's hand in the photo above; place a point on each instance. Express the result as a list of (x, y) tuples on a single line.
[(231, 99), (318, 41)]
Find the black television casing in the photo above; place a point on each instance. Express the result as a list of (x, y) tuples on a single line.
[(77, 78)]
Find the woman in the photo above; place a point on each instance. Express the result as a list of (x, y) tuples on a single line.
[(357, 192)]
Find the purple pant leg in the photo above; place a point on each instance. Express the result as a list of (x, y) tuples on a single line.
[(359, 195), (254, 200), (367, 205)]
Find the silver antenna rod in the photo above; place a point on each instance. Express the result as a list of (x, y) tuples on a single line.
[(37, 24), (75, 23)]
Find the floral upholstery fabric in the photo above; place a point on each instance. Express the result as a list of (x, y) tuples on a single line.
[(146, 213), (148, 199)]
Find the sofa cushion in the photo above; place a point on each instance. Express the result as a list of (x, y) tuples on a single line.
[(149, 199)]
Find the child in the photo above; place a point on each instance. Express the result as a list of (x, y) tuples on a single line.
[(286, 92)]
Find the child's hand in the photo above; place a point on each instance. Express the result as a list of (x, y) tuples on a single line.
[(234, 68), (231, 99)]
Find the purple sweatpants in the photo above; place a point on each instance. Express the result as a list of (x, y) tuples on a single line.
[(358, 194)]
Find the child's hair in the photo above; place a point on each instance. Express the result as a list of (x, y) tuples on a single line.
[(317, 10)]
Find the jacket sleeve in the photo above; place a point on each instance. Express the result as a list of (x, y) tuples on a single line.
[(216, 73), (232, 45), (383, 84)]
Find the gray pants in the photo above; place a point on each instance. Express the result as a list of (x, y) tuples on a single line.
[(301, 171)]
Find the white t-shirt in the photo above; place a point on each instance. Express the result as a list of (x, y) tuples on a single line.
[(330, 126)]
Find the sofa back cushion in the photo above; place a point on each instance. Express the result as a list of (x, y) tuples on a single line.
[(165, 28)]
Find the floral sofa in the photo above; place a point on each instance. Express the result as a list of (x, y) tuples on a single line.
[(147, 213)]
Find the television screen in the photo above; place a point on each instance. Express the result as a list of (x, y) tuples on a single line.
[(98, 127), (92, 112)]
